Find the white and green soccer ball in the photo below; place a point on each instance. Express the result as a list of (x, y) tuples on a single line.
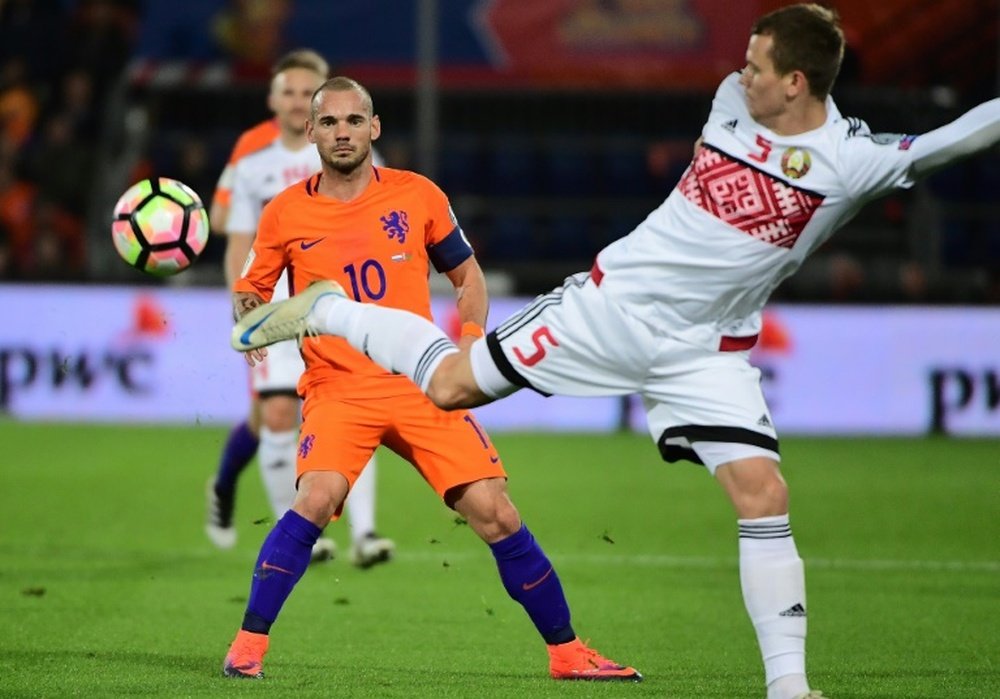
[(160, 226)]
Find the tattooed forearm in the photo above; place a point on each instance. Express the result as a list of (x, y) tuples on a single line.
[(244, 302)]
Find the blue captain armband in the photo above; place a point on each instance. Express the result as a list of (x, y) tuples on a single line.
[(450, 252)]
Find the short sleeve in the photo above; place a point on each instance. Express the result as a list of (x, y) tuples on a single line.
[(223, 194), (267, 258), (447, 246), (875, 164)]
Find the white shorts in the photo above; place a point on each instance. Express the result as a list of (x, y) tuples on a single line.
[(702, 405), (280, 370)]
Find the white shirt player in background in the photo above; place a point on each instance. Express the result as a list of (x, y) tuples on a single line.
[(671, 310), (268, 159)]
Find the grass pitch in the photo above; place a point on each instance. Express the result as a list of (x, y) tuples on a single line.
[(109, 587)]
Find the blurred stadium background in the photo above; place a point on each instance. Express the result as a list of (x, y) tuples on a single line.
[(554, 127)]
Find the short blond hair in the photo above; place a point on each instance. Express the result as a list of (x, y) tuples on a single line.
[(302, 58)]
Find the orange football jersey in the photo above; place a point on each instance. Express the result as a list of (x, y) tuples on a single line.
[(379, 247)]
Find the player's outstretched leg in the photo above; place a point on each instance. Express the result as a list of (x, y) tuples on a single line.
[(399, 341), (282, 320)]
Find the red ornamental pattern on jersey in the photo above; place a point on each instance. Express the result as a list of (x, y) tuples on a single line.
[(752, 201)]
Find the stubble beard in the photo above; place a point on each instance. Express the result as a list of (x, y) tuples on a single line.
[(346, 167)]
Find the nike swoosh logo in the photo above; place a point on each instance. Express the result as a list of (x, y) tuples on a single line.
[(268, 566), (245, 337), (533, 585), (305, 246), (494, 459)]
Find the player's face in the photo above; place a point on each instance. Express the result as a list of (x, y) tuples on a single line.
[(342, 130), (766, 90), (291, 91)]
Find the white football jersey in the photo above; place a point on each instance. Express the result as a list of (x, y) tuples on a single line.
[(748, 210), (257, 178)]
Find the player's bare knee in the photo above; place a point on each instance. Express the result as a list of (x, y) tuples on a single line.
[(487, 508), (764, 498), (755, 487), (501, 525), (446, 393), (453, 385), (320, 495), (507, 520), (280, 413)]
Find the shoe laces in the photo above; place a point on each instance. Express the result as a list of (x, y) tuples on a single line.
[(298, 328), (583, 654), (305, 331), (596, 658), (248, 650)]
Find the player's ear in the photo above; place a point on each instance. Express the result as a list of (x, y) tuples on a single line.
[(310, 135), (376, 127), (798, 83)]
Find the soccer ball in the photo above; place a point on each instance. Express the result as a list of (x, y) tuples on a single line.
[(159, 226)]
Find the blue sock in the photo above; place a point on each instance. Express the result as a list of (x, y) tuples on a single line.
[(240, 447), (283, 559), (531, 581)]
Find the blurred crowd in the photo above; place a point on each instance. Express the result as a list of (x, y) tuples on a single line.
[(531, 200), (59, 61), (56, 68)]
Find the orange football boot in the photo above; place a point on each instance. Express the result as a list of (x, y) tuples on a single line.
[(246, 656), (577, 661)]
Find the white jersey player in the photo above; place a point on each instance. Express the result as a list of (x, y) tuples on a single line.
[(671, 310), (273, 156)]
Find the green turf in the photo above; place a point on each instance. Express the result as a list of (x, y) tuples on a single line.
[(109, 587)]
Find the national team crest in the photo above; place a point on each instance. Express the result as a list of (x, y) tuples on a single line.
[(306, 445), (396, 225), (795, 162)]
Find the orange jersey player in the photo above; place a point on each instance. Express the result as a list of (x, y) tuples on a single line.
[(379, 246), (266, 159), (378, 231)]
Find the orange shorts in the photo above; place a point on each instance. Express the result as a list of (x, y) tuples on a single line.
[(447, 448)]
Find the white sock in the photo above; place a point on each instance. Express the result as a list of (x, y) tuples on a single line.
[(400, 341), (361, 503), (276, 456), (774, 592)]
